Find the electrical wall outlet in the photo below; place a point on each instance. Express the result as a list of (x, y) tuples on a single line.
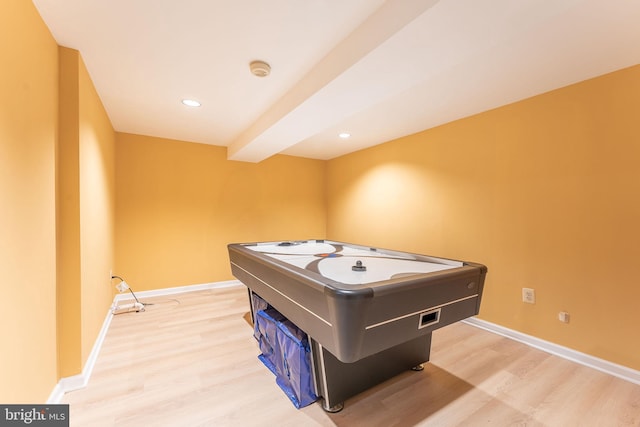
[(563, 316), (528, 295)]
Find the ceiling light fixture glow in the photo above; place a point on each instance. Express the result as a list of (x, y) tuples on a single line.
[(344, 135), (191, 103)]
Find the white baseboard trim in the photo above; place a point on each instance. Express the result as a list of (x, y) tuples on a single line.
[(602, 365), (177, 290), (79, 381)]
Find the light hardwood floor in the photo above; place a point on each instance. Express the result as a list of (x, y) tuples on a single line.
[(191, 360)]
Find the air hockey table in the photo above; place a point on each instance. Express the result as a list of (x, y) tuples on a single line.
[(368, 312)]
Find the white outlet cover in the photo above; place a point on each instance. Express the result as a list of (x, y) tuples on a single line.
[(528, 295), (563, 316)]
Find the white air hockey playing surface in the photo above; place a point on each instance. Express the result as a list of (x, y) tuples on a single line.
[(335, 261)]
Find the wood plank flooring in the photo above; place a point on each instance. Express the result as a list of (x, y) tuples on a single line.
[(191, 360)]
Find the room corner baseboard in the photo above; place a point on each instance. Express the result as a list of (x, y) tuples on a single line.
[(602, 365), (79, 381), (56, 395)]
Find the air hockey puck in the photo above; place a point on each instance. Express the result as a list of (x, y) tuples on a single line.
[(359, 266)]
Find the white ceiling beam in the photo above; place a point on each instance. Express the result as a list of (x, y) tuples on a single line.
[(263, 138)]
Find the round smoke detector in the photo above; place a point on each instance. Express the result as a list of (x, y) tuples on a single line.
[(260, 68)]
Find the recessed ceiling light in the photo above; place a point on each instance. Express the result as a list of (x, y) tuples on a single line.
[(190, 102), (344, 135)]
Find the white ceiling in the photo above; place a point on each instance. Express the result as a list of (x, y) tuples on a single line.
[(376, 69)]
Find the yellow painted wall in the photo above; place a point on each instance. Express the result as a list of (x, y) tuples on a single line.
[(68, 214), (97, 209), (545, 192), (86, 203), (28, 126), (179, 204)]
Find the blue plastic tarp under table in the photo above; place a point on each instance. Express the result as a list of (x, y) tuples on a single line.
[(285, 351)]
